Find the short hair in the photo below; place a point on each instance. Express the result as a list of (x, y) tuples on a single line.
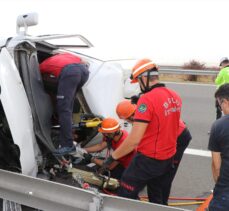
[(224, 64), (223, 91)]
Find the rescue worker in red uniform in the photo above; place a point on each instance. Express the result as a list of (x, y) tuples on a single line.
[(71, 73), (154, 133), (113, 137), (125, 110)]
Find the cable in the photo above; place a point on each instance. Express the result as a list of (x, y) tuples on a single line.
[(108, 192), (177, 203), (182, 198), (145, 198), (185, 203)]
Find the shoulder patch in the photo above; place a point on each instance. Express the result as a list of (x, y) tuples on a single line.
[(142, 108)]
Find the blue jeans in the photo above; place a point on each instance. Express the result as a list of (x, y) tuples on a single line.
[(220, 202), (71, 79)]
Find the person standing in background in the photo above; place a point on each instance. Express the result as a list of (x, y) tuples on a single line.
[(219, 147), (222, 78)]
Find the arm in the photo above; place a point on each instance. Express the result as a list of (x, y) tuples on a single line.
[(97, 147), (216, 163), (215, 148), (131, 141), (100, 163)]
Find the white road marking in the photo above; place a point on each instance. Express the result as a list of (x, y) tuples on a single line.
[(199, 152)]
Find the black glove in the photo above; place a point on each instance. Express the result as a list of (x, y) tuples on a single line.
[(106, 163), (134, 99), (87, 157), (109, 142)]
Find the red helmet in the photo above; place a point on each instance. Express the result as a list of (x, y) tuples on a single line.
[(125, 109), (143, 65), (109, 125)]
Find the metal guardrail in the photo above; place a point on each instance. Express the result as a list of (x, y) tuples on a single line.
[(187, 71), (47, 195)]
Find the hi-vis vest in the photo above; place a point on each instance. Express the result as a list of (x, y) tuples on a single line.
[(222, 77)]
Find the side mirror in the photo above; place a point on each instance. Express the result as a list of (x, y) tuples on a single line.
[(26, 20)]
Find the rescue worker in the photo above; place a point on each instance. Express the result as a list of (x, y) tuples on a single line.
[(154, 133), (113, 137), (222, 78), (125, 110), (219, 147), (71, 73)]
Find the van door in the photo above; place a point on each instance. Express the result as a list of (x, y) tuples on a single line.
[(18, 113), (64, 40)]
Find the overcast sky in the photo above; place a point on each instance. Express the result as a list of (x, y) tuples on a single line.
[(167, 31)]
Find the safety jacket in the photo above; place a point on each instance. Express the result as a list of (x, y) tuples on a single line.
[(54, 64), (223, 77)]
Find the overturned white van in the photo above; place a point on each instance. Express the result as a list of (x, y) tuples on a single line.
[(27, 133)]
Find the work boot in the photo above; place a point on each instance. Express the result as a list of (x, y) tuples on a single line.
[(65, 151)]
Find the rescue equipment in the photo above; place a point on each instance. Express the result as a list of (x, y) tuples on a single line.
[(92, 178), (85, 130), (90, 123), (85, 123)]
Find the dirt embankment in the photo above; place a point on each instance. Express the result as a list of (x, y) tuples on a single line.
[(209, 79), (191, 65)]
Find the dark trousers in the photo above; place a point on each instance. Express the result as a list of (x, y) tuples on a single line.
[(140, 173), (117, 171), (160, 191), (219, 202), (71, 79)]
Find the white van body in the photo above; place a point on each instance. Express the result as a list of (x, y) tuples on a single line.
[(25, 109)]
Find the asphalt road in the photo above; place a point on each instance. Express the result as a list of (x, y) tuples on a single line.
[(194, 178)]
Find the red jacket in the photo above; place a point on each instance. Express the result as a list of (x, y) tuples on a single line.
[(125, 160), (160, 108), (54, 64)]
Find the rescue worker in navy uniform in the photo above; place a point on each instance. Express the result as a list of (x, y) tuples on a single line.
[(125, 110), (219, 146), (154, 132), (72, 73)]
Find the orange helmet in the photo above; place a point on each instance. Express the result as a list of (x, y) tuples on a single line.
[(143, 65), (125, 109), (109, 125)]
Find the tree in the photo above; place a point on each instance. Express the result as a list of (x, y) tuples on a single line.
[(193, 65)]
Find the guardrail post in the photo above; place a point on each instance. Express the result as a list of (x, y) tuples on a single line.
[(10, 205), (97, 204)]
